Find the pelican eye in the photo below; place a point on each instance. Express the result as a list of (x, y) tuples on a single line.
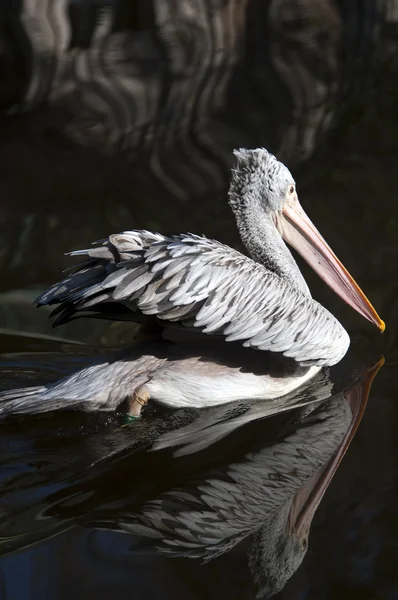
[(304, 544), (290, 190)]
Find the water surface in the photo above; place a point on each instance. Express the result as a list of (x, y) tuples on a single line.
[(120, 115)]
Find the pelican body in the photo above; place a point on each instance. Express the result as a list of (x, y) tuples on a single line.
[(230, 326)]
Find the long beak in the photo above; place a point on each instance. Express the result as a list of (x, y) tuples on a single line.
[(307, 500), (298, 231)]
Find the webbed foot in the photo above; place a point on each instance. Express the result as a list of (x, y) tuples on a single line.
[(139, 399)]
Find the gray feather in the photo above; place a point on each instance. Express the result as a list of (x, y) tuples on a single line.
[(219, 289)]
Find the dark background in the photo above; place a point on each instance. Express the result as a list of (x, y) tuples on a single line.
[(123, 114)]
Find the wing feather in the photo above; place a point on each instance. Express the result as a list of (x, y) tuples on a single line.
[(196, 281)]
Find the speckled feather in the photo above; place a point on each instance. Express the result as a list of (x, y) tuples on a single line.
[(207, 519), (201, 283)]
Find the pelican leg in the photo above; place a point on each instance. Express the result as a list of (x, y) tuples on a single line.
[(139, 399)]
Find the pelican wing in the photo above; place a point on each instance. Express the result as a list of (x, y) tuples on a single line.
[(208, 518), (201, 283)]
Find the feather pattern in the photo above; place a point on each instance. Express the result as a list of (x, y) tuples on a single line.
[(208, 517), (202, 283)]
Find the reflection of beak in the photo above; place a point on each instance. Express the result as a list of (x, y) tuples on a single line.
[(307, 500), (298, 231)]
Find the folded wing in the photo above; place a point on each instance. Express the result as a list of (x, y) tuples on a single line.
[(201, 283)]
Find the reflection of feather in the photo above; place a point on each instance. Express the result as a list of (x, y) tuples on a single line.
[(250, 486), (215, 424), (208, 517)]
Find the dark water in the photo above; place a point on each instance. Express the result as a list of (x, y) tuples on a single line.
[(118, 115)]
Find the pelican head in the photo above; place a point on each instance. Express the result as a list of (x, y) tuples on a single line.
[(263, 185), (271, 573), (279, 547)]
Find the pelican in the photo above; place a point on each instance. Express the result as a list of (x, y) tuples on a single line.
[(230, 326)]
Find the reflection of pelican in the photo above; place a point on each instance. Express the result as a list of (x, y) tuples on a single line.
[(180, 482), (262, 302), (270, 493)]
